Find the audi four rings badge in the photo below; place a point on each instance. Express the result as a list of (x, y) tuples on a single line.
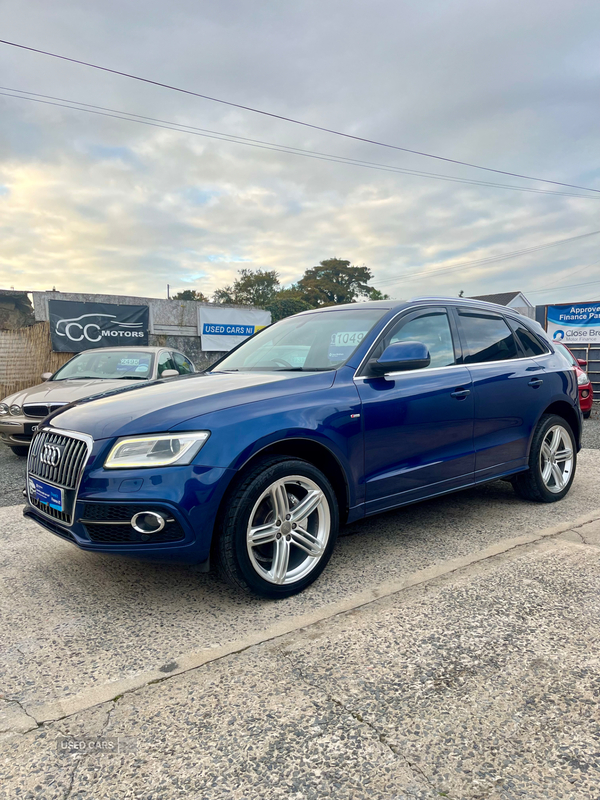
[(50, 455)]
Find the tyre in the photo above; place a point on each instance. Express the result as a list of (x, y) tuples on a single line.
[(587, 414), (552, 462), (20, 451), (278, 529)]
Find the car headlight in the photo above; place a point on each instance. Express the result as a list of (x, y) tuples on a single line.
[(163, 450), (3, 409), (16, 410), (582, 379)]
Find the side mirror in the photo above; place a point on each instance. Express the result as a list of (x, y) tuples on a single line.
[(401, 356), (47, 375), (582, 362), (169, 373)]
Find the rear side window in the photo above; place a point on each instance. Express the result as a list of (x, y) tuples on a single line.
[(486, 337), (530, 344)]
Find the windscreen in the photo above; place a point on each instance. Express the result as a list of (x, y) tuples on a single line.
[(108, 365), (304, 343)]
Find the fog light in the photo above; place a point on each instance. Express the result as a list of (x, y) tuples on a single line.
[(148, 522), (585, 393)]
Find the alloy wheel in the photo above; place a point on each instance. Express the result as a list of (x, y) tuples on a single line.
[(288, 530), (556, 459)]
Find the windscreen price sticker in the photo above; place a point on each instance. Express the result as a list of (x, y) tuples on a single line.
[(346, 338)]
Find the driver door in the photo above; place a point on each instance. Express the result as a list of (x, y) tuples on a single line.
[(418, 424)]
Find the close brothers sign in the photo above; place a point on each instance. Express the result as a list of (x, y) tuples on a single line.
[(577, 323), (222, 329), (82, 326)]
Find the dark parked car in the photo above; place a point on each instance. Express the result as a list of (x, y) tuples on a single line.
[(321, 419)]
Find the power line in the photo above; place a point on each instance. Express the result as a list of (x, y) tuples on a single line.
[(127, 116), (575, 272), (290, 119), (489, 259), (570, 286)]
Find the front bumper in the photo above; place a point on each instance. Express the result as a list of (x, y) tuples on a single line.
[(188, 495), (18, 430)]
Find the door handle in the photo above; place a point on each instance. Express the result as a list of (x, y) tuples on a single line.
[(460, 394), (535, 383)]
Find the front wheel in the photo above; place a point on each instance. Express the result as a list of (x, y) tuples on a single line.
[(587, 414), (20, 451), (279, 528), (552, 462)]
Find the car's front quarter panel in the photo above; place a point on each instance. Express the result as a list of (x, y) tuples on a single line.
[(329, 416)]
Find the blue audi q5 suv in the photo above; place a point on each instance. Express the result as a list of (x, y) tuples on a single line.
[(316, 421)]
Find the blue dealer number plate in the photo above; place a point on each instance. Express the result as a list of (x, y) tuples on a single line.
[(44, 493)]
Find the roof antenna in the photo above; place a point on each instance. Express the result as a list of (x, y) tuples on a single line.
[(462, 291)]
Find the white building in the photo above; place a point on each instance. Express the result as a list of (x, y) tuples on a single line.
[(515, 300)]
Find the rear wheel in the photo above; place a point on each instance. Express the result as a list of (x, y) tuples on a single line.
[(20, 451), (279, 528), (552, 462)]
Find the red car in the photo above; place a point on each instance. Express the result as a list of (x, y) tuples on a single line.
[(586, 393)]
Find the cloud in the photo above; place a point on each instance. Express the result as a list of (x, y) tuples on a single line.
[(92, 203)]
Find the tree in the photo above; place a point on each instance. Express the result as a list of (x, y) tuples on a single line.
[(284, 306), (252, 288), (335, 281), (190, 294)]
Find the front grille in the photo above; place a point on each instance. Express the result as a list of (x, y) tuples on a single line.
[(41, 410), (96, 519), (61, 516), (125, 534), (67, 471)]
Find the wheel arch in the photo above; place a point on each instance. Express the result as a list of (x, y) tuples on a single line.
[(316, 453), (563, 409)]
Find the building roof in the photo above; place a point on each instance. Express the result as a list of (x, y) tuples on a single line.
[(501, 299)]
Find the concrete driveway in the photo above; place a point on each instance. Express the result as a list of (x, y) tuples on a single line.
[(484, 627)]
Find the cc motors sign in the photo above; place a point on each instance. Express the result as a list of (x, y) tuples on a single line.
[(83, 326)]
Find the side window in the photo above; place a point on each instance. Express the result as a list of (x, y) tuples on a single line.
[(183, 364), (530, 344), (432, 328), (165, 361), (487, 337)]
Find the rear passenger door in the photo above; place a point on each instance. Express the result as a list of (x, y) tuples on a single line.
[(508, 391)]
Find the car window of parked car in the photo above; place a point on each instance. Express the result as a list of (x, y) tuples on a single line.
[(183, 364), (312, 342), (486, 337), (432, 328), (530, 344), (165, 361), (107, 365)]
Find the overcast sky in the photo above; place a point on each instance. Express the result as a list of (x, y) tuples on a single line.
[(96, 204)]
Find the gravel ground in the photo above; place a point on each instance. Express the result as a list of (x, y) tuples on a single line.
[(482, 685), (591, 432), (12, 477)]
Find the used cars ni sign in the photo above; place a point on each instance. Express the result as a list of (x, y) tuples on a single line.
[(321, 419)]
